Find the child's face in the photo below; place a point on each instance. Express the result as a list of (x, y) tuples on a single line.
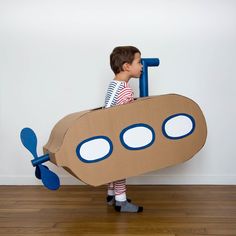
[(136, 66)]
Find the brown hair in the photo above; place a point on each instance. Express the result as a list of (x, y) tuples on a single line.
[(121, 55)]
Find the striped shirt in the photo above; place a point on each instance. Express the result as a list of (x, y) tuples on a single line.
[(118, 93)]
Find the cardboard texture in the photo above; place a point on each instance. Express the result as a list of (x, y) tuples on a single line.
[(103, 145)]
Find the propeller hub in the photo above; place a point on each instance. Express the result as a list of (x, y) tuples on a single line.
[(40, 160)]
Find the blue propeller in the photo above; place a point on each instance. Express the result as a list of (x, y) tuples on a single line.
[(50, 179)]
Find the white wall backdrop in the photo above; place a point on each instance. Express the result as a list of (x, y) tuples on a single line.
[(54, 60)]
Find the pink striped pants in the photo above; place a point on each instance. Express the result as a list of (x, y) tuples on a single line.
[(118, 186)]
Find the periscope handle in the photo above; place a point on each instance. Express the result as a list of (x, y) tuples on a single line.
[(143, 82)]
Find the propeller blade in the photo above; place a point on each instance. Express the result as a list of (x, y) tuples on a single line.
[(38, 172), (49, 178), (29, 140)]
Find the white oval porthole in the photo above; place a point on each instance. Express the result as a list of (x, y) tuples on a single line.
[(94, 149), (178, 126), (137, 136)]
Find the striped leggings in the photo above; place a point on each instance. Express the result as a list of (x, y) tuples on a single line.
[(118, 186)]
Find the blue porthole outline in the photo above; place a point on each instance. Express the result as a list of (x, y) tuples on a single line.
[(92, 138), (133, 126), (175, 115)]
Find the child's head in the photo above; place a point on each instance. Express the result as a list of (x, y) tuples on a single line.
[(121, 55)]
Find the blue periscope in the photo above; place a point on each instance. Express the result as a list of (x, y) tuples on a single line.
[(143, 83)]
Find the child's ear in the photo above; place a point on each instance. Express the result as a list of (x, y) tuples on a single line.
[(126, 66)]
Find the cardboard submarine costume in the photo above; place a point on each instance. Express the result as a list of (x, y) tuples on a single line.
[(103, 145)]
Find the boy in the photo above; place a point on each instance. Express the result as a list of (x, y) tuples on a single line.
[(125, 62)]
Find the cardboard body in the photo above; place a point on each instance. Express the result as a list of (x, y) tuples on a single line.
[(129, 140)]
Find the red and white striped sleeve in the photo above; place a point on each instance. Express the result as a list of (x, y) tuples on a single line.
[(126, 95)]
